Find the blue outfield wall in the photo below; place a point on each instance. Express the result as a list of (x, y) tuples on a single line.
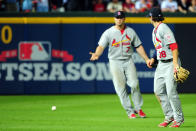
[(65, 66)]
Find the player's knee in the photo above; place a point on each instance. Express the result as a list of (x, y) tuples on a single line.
[(172, 95), (134, 85)]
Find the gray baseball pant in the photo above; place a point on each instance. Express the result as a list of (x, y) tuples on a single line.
[(124, 71), (165, 88)]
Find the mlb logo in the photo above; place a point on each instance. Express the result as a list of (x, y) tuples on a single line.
[(34, 51)]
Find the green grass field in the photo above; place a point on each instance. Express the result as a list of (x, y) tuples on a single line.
[(85, 113)]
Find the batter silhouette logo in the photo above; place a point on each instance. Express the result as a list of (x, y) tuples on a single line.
[(34, 51)]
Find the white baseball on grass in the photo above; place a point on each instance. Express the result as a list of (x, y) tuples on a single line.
[(53, 108)]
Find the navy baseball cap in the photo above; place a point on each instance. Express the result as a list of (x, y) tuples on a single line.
[(119, 14), (155, 12)]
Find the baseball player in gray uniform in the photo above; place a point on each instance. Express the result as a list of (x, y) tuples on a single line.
[(168, 61), (121, 40)]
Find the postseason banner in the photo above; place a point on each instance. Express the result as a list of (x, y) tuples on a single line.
[(54, 59)]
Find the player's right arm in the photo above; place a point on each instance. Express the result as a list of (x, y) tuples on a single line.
[(97, 54), (102, 44)]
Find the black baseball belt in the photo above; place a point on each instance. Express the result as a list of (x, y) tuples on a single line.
[(166, 61)]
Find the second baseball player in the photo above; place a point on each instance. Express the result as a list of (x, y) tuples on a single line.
[(121, 40)]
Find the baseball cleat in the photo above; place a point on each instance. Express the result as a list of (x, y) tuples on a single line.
[(132, 116), (176, 124), (166, 122), (140, 113)]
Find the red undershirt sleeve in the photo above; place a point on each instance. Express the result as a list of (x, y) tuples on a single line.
[(173, 46)]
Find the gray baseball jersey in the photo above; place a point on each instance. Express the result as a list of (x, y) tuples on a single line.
[(120, 46), (122, 67), (162, 36)]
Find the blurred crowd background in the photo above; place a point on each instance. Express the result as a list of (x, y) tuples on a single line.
[(130, 6)]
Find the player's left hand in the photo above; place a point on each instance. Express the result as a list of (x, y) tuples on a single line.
[(149, 63)]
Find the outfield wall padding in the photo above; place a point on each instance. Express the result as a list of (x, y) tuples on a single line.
[(64, 67)]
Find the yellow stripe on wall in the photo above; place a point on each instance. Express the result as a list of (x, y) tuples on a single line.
[(87, 20), (180, 20)]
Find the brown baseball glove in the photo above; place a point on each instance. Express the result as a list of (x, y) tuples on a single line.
[(181, 75)]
